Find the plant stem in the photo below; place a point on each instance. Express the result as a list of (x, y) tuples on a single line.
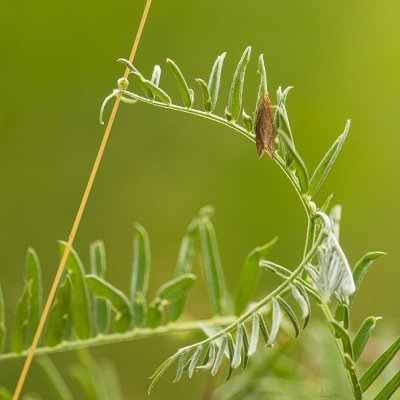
[(123, 337)]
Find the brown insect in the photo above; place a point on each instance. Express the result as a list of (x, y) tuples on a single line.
[(265, 128)]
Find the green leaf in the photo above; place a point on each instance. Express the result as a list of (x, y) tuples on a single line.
[(290, 313), (19, 339), (183, 87), (208, 359), (249, 275), (350, 366), (156, 75), (127, 64), (247, 122), (58, 316), (194, 359), (181, 365), (342, 315), (140, 274), (98, 267), (301, 169), (33, 275), (220, 355), (321, 172), (206, 95), (55, 378), (2, 321), (262, 87), (255, 327), (140, 79), (80, 297), (231, 351), (344, 336), (212, 262), (388, 391), (300, 295), (236, 359), (276, 321), (263, 328), (154, 89), (118, 301), (235, 95), (175, 288), (214, 81), (160, 371), (326, 203), (154, 315), (361, 269), (363, 335), (184, 266), (379, 365), (245, 347)]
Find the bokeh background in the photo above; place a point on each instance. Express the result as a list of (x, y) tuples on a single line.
[(58, 62)]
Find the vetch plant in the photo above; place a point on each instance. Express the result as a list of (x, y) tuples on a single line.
[(87, 304)]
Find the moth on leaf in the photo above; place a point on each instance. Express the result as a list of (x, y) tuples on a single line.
[(265, 128)]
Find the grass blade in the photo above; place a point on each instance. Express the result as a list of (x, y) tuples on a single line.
[(212, 263), (388, 391), (344, 336), (249, 275), (140, 274), (18, 339), (290, 313), (220, 356), (262, 87), (98, 267), (58, 317), (363, 335), (361, 269), (235, 95), (80, 297), (33, 275), (276, 321), (255, 327), (2, 321), (206, 95), (301, 169), (118, 301), (321, 172), (379, 365), (214, 81), (183, 87), (184, 266)]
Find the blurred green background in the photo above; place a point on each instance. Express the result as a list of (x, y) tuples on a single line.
[(58, 64)]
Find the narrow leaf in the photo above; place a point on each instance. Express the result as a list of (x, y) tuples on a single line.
[(208, 359), (231, 351), (184, 266), (344, 336), (388, 391), (98, 267), (141, 81), (220, 356), (379, 365), (290, 313), (127, 64), (206, 95), (363, 335), (276, 321), (245, 347), (263, 328), (212, 264), (361, 269), (156, 75), (118, 301), (33, 275), (181, 365), (300, 295), (262, 87), (58, 317), (176, 288), (342, 315), (255, 326), (160, 371), (153, 88), (350, 366), (194, 360), (140, 274), (2, 321), (327, 162), (183, 87), (80, 297), (54, 377), (235, 95), (249, 275), (18, 339), (301, 169), (247, 122), (236, 359), (214, 81)]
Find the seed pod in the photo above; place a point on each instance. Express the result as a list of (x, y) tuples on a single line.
[(265, 128)]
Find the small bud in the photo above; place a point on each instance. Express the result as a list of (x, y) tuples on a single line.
[(123, 83)]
